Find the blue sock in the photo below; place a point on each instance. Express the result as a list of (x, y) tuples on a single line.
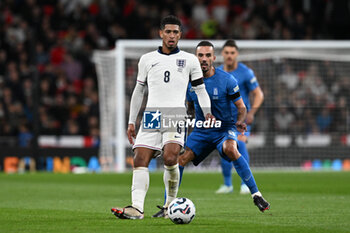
[(181, 168), (226, 172), (242, 148), (243, 170)]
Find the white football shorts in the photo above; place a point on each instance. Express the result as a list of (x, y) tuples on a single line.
[(156, 140)]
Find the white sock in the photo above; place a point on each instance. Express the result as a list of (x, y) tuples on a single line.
[(256, 194), (171, 181), (139, 188)]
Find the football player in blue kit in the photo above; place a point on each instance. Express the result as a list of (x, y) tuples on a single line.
[(248, 87), (228, 107)]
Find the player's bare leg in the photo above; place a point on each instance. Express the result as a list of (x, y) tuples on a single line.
[(139, 188), (243, 170), (187, 157)]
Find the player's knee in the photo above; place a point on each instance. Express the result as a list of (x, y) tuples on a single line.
[(230, 150), (142, 159), (235, 154), (170, 159), (171, 152), (138, 162)]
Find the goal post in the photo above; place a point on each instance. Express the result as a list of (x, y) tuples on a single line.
[(271, 147)]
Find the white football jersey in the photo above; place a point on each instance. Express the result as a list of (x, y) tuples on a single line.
[(167, 77)]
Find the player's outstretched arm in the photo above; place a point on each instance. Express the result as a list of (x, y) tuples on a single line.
[(242, 111), (258, 98), (135, 105)]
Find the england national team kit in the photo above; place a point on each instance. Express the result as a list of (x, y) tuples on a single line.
[(167, 77)]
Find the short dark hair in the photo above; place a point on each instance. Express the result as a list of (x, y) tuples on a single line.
[(230, 43), (170, 19), (204, 43)]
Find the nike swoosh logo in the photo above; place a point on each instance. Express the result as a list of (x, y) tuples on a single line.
[(155, 64), (185, 210), (177, 136), (247, 178)]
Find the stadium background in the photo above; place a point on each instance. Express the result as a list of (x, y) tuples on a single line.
[(49, 100)]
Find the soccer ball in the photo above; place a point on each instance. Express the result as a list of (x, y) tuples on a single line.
[(181, 210)]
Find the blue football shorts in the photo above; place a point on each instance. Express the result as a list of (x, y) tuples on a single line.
[(203, 141)]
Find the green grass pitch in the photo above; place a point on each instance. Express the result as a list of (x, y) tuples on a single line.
[(300, 202)]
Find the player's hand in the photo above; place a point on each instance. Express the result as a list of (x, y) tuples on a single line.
[(209, 117), (241, 127), (249, 118), (131, 133)]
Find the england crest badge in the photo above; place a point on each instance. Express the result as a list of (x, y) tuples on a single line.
[(181, 63)]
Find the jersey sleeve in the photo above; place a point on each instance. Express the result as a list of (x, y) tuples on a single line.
[(142, 71), (195, 69), (233, 89), (251, 80)]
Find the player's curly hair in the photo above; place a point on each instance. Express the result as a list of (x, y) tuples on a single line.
[(170, 19), (230, 43)]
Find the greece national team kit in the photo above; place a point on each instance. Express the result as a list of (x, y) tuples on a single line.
[(223, 92), (167, 77), (247, 82)]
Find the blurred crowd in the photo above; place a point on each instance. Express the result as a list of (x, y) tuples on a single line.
[(304, 96), (57, 38), (317, 99)]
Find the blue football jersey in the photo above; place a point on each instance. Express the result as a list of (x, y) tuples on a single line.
[(246, 81), (220, 87)]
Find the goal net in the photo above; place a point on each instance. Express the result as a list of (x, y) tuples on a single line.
[(304, 117)]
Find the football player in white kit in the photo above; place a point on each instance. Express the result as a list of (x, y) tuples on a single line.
[(166, 73)]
